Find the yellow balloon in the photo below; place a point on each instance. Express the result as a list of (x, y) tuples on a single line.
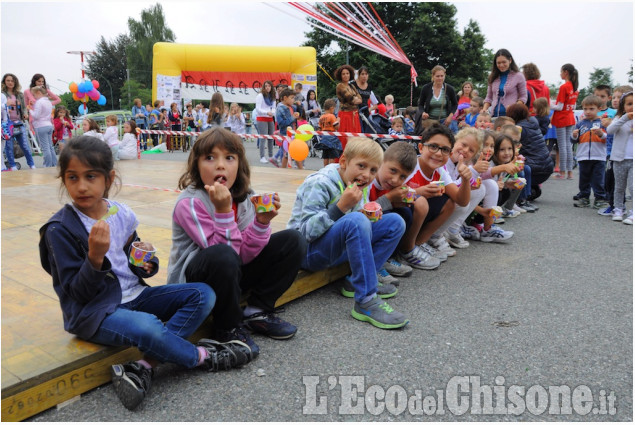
[(304, 137), (298, 149)]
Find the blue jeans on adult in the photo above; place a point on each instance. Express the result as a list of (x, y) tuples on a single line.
[(365, 245), (139, 323), (19, 135), (45, 139), (526, 174), (592, 176)]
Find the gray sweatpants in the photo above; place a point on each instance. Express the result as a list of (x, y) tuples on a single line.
[(623, 172), (564, 147)]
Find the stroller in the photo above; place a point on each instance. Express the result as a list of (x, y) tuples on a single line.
[(376, 124)]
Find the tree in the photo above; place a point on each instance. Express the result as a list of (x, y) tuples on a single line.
[(428, 36), (108, 66), (143, 34), (597, 77), (133, 89)]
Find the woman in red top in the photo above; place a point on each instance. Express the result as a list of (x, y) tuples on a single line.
[(350, 100), (564, 120)]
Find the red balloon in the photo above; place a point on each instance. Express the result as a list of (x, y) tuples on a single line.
[(95, 84)]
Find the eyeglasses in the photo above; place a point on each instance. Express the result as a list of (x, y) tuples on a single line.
[(434, 148)]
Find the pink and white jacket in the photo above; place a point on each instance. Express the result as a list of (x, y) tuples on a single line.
[(196, 225)]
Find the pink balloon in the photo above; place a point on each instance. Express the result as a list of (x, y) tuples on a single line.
[(92, 93), (80, 94), (95, 84)]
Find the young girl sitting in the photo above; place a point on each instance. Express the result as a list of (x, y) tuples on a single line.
[(104, 298), (219, 238), (111, 136), (504, 155), (63, 125), (128, 145), (91, 128)]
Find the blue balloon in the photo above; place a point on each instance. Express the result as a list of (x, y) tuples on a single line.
[(101, 100), (83, 110), (86, 86)]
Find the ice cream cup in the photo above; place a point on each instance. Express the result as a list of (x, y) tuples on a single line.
[(373, 211), (264, 202), (519, 183), (476, 183), (409, 198), (139, 253), (496, 212)]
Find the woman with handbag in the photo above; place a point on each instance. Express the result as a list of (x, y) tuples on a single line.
[(17, 113)]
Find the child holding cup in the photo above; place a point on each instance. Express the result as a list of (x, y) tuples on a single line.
[(219, 238), (103, 296)]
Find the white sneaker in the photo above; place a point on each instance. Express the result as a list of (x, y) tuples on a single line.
[(618, 214), (441, 256), (263, 160), (470, 232), (32, 167), (395, 268), (506, 232), (13, 168), (419, 259), (519, 209), (509, 213), (442, 245), (455, 240), (494, 235), (629, 219)]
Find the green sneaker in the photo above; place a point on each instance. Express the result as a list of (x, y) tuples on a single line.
[(600, 203), (384, 290), (378, 313), (582, 203)]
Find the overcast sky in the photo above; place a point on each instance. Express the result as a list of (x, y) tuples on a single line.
[(36, 36)]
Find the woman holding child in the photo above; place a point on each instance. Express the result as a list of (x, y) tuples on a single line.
[(505, 85), (437, 100)]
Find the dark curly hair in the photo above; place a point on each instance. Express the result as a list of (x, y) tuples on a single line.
[(338, 72), (517, 112)]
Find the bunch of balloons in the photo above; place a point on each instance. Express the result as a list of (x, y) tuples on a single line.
[(87, 90), (298, 148)]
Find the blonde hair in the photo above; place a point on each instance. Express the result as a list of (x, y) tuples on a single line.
[(541, 107), (389, 96), (38, 89), (365, 148), (435, 69), (478, 135), (510, 128)]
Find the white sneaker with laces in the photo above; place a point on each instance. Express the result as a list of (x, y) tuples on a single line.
[(519, 209), (456, 240), (470, 232), (439, 242), (395, 268), (419, 259), (441, 256), (263, 160), (629, 219), (494, 235), (618, 214)]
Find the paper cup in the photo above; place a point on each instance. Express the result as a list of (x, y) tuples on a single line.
[(519, 183), (476, 183), (372, 210), (410, 196), (264, 202), (496, 212), (439, 183), (139, 255)]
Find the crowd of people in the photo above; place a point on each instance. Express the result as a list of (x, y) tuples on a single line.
[(478, 162)]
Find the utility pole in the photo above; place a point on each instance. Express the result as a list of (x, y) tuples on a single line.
[(128, 82)]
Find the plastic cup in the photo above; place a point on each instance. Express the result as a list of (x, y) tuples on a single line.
[(264, 202), (373, 212), (140, 253), (476, 183), (409, 198), (496, 212)]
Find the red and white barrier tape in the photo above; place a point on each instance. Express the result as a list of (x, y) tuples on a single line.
[(194, 133), (290, 133)]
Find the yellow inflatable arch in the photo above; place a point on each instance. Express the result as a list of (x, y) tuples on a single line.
[(192, 71)]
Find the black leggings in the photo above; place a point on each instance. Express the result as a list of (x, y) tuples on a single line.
[(267, 276)]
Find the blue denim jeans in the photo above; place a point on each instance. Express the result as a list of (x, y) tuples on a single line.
[(592, 176), (45, 139), (139, 323), (365, 245), (526, 174), (21, 138)]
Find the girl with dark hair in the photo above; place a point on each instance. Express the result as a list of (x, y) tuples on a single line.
[(220, 238), (350, 101), (312, 108), (506, 85), (17, 112), (39, 80), (564, 120), (266, 110)]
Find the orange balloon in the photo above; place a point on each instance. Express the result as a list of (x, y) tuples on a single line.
[(75, 96), (73, 87), (298, 150)]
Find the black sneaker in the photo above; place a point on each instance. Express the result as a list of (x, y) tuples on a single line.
[(238, 334), (576, 197), (225, 355), (131, 382), (269, 325)]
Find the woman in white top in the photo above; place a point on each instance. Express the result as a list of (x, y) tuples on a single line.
[(266, 108)]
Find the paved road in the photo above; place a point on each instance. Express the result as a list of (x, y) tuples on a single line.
[(554, 307)]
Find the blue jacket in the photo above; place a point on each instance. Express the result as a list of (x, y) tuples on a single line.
[(284, 118), (86, 295)]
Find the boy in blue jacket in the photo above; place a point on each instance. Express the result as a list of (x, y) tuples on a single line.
[(328, 212)]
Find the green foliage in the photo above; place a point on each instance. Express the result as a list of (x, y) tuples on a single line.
[(108, 66), (132, 90), (428, 36), (151, 29)]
